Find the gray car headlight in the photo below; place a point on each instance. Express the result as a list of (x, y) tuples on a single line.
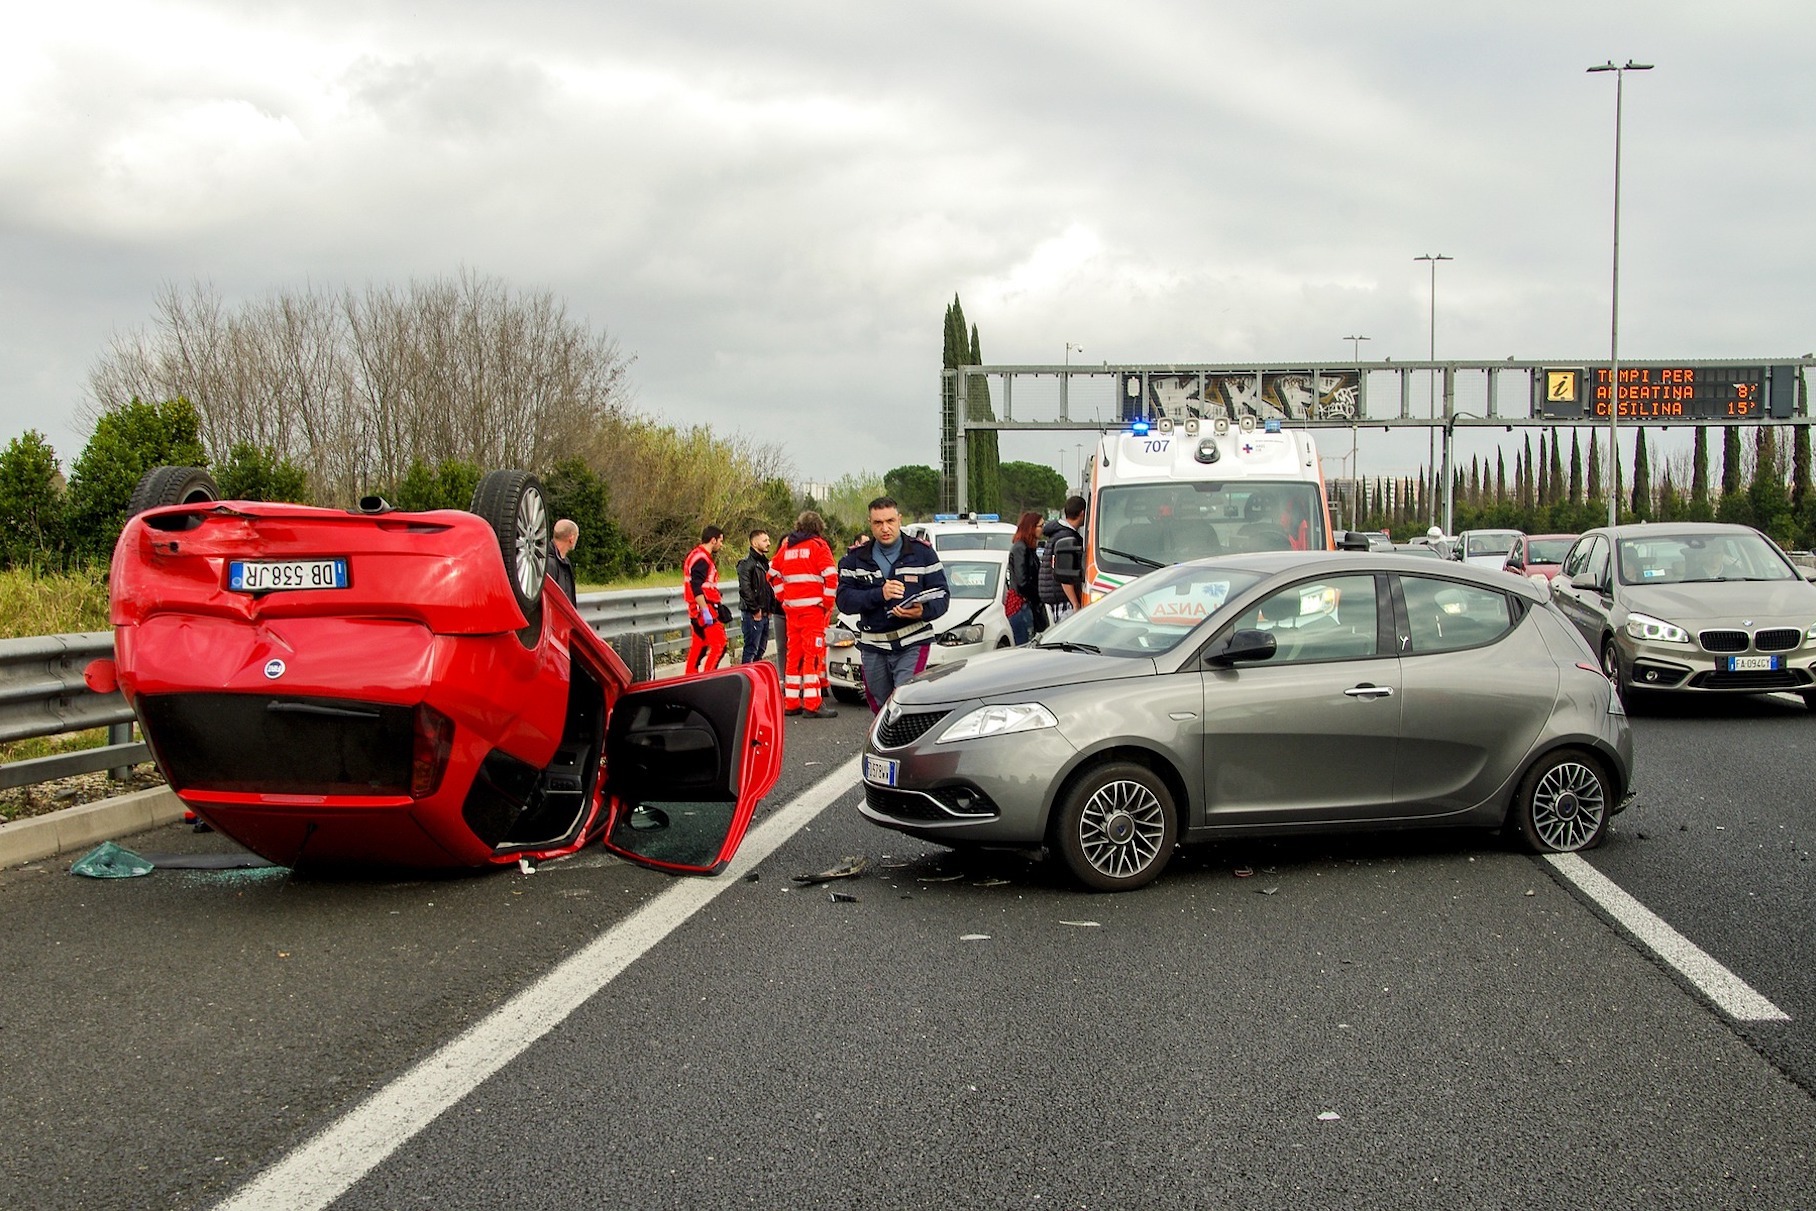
[(957, 635), (1000, 721), (1655, 630)]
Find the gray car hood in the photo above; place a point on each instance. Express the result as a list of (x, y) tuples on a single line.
[(1744, 601), (1016, 671)]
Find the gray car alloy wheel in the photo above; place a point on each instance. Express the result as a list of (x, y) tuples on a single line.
[(1116, 829), (1563, 805)]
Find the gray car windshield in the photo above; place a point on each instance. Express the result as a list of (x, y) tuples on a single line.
[(1692, 558), (1150, 616), (1141, 526)]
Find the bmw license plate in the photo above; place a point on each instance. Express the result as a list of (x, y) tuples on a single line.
[(1752, 664), (269, 575), (881, 770)]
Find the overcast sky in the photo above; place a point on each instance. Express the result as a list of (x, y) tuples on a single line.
[(771, 205)]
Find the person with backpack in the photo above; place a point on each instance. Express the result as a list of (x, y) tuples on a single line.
[(1062, 561)]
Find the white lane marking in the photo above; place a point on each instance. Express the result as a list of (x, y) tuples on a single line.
[(1733, 995), (323, 1169)]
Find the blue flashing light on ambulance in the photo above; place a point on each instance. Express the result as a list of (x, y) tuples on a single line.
[(1165, 491)]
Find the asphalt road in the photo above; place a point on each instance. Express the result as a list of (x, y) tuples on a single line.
[(966, 1032)]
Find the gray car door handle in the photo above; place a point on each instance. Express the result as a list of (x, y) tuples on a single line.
[(1371, 691)]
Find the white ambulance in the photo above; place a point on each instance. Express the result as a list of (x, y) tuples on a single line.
[(1169, 490)]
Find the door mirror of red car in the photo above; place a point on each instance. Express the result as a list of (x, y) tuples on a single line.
[(686, 762)]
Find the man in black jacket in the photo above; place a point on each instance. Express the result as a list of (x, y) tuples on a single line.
[(756, 598), (1062, 565), (561, 541)]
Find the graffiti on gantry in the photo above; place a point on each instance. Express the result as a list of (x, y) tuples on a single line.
[(1273, 394)]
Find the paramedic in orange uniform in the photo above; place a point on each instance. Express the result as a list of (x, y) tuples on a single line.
[(806, 580)]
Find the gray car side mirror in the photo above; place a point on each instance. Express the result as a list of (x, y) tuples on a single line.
[(1245, 646)]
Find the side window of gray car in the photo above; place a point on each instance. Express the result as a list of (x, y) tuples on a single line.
[(1597, 564), (1443, 616), (1332, 618)]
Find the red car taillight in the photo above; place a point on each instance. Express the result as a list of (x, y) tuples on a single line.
[(432, 739)]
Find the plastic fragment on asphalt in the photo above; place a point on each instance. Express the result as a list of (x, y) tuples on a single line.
[(839, 897), (751, 877), (1530, 892), (1242, 872), (1329, 1116), (1082, 924), (992, 883), (974, 937), (1267, 891), (939, 878), (848, 868), (110, 861), (526, 866)]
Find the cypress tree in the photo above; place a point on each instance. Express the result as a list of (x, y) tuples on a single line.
[(1500, 476), (985, 464), (1767, 494), (1576, 468), (1698, 509), (1542, 494), (1592, 478), (1557, 471), (1730, 461), (1642, 478)]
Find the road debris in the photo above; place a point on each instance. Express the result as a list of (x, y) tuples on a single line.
[(849, 868), (839, 897), (1082, 924), (1243, 872), (974, 937), (110, 861), (526, 866), (1266, 891), (939, 878), (1329, 1116)]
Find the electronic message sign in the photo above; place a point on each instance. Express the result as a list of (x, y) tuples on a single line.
[(1668, 393)]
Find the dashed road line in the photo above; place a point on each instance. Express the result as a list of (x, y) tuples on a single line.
[(321, 1170), (1731, 994)]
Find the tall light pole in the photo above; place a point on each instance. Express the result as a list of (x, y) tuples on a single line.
[(1070, 350), (1355, 480), (1614, 323), (1431, 386)]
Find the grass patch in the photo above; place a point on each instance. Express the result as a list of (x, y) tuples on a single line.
[(51, 603), (670, 579)]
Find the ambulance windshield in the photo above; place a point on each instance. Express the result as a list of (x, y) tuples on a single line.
[(1166, 523)]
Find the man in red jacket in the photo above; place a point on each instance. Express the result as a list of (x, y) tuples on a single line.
[(806, 580), (706, 614)]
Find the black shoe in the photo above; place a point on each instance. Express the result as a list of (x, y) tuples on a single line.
[(823, 711), (791, 710)]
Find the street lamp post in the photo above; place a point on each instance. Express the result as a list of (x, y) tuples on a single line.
[(1431, 435), (1614, 323), (1354, 479), (1070, 350)]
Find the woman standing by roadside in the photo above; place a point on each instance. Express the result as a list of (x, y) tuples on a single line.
[(1023, 590)]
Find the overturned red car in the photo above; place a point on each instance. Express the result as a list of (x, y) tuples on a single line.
[(385, 687)]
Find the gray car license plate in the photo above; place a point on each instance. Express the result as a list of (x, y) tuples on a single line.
[(881, 770)]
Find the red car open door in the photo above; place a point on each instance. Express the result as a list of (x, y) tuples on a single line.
[(686, 761)]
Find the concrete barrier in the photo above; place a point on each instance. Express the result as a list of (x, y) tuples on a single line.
[(75, 828)]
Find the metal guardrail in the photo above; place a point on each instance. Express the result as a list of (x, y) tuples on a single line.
[(42, 692)]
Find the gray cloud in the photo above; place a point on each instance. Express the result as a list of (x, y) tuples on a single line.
[(772, 205)]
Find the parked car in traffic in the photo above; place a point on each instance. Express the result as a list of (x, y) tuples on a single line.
[(389, 687), (1484, 548), (974, 621), (1281, 692), (964, 532), (1691, 607), (1538, 555)]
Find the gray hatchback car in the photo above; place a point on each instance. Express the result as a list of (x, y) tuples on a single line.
[(1279, 692)]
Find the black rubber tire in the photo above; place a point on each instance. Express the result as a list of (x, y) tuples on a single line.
[(171, 486), (847, 696), (638, 654), (513, 504), (1117, 827), (1563, 804), (1611, 668)]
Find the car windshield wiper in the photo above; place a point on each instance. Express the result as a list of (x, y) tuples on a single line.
[(1132, 557), (1067, 645)]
